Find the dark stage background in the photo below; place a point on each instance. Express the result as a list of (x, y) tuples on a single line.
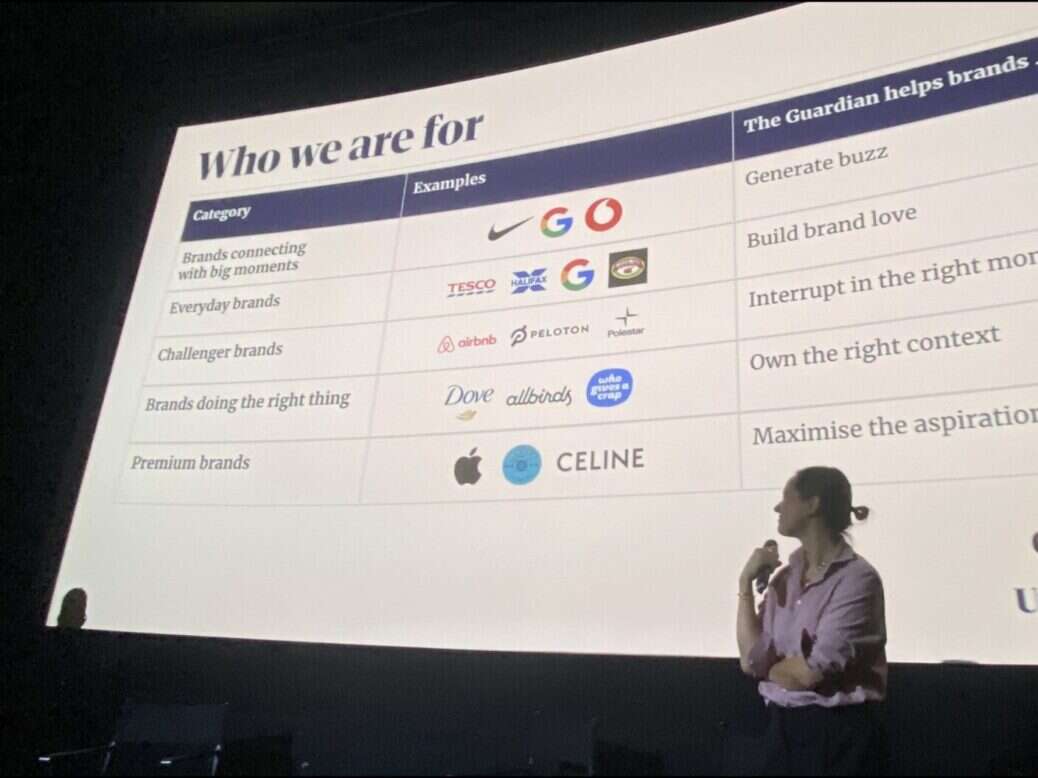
[(91, 99)]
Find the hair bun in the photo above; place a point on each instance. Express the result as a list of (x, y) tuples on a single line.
[(860, 512)]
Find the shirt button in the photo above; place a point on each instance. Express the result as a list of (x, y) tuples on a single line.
[(799, 601)]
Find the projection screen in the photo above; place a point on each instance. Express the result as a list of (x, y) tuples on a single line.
[(523, 363)]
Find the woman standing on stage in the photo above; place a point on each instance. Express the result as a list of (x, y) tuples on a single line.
[(817, 644)]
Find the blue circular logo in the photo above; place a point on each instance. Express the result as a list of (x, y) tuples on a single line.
[(522, 464), (610, 387)]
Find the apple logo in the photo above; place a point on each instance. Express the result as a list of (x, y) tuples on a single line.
[(466, 469)]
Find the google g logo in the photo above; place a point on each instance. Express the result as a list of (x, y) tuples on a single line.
[(603, 214), (562, 225), (585, 276)]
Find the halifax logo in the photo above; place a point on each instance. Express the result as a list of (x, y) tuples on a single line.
[(533, 280)]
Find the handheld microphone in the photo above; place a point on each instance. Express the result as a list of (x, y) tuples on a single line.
[(766, 571)]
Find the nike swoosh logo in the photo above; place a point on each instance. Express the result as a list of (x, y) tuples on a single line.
[(494, 234)]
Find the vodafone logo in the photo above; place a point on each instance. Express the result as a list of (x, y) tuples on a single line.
[(448, 344), (603, 214), (469, 288)]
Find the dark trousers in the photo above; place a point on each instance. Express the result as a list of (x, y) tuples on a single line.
[(846, 740)]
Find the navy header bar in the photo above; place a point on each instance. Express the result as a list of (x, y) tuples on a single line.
[(887, 101), (983, 78), (638, 155), (644, 154), (295, 209)]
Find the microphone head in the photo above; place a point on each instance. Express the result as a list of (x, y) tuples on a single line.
[(771, 544)]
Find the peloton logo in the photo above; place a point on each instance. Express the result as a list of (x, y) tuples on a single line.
[(602, 215), (524, 333)]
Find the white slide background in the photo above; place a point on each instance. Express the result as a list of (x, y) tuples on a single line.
[(349, 526)]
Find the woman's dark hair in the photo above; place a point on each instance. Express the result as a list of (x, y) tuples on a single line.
[(833, 491)]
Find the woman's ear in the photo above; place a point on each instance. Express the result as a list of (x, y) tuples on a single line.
[(813, 504)]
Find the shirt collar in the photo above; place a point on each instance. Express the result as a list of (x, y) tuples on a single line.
[(798, 562)]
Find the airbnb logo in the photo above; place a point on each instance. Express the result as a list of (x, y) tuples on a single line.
[(447, 345)]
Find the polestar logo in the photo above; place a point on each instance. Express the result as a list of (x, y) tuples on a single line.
[(624, 330), (626, 316), (494, 234)]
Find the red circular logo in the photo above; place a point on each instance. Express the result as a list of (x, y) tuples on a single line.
[(591, 220)]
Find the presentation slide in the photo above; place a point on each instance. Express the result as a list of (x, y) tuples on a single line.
[(523, 363)]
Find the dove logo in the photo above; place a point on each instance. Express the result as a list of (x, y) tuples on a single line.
[(459, 395)]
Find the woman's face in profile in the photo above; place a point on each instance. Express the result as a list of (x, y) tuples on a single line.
[(793, 511)]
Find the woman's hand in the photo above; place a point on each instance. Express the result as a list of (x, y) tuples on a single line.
[(748, 621), (793, 674), (759, 559)]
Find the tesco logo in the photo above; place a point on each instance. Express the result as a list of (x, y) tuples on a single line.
[(469, 288)]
